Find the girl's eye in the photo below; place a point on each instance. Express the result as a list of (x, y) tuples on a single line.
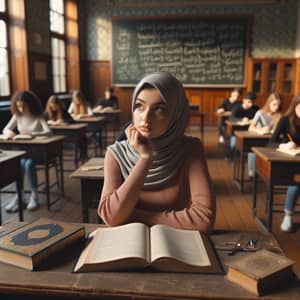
[(138, 106)]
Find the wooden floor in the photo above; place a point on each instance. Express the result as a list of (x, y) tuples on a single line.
[(233, 208)]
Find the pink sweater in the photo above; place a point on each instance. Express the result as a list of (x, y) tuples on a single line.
[(188, 201)]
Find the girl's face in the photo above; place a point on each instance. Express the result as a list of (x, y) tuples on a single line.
[(274, 106), (247, 104), (297, 110), (234, 96), (150, 114), (21, 107)]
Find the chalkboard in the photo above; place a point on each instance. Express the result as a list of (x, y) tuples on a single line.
[(198, 51)]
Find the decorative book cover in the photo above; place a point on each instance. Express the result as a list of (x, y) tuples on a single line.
[(28, 246), (261, 271)]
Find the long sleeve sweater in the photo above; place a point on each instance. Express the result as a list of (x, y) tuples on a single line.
[(27, 123), (187, 202), (282, 131)]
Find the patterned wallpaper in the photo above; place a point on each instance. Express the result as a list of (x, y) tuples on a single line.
[(273, 31), (37, 21)]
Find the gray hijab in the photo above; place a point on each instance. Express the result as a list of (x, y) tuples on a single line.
[(170, 147)]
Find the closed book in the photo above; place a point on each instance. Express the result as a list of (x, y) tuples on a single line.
[(292, 152), (260, 272), (30, 245), (160, 247)]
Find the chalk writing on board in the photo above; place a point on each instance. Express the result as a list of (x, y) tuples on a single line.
[(196, 51)]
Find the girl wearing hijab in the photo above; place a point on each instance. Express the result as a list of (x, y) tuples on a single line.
[(158, 175)]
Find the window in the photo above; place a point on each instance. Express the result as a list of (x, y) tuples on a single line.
[(4, 67), (58, 45)]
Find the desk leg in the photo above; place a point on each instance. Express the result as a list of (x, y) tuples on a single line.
[(242, 171), (202, 127), (269, 206), (77, 149), (254, 194), (61, 166), (84, 201), (20, 199), (47, 185)]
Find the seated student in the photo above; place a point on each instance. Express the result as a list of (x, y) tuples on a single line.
[(264, 121), (243, 113), (287, 136), (79, 107), (27, 118), (158, 175), (227, 105), (107, 103), (56, 112)]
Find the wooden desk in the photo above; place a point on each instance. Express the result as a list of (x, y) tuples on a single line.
[(231, 128), (113, 118), (55, 279), (91, 185), (43, 150), (10, 165), (275, 168), (74, 133), (201, 116), (244, 141), (95, 125)]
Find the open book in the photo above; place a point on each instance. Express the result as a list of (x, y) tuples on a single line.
[(292, 152), (135, 246), (16, 137)]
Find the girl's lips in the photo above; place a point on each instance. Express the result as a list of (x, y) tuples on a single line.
[(144, 129)]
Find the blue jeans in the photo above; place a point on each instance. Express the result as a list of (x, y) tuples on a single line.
[(232, 143), (291, 198), (251, 162), (28, 170)]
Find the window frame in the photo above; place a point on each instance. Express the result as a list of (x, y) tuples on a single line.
[(62, 37), (5, 17)]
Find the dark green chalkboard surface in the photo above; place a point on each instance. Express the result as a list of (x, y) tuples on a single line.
[(198, 51)]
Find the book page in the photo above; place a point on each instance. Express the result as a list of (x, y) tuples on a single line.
[(114, 243), (184, 245)]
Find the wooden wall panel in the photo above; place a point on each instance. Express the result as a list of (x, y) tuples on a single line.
[(40, 77)]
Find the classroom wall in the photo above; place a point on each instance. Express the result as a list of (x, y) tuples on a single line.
[(273, 36), (274, 25)]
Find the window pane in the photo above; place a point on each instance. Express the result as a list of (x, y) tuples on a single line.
[(56, 22), (2, 5), (4, 86), (3, 62), (57, 5), (61, 49), (3, 36), (62, 68), (56, 84), (54, 44), (63, 84), (55, 66)]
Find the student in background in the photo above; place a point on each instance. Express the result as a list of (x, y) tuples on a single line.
[(287, 136), (264, 122), (79, 107), (243, 113), (157, 175), (227, 106), (56, 112), (107, 103), (27, 118)]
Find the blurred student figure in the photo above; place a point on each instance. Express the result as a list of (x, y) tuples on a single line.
[(243, 113), (56, 112), (264, 122), (287, 136), (79, 107), (227, 105), (28, 119), (107, 103)]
